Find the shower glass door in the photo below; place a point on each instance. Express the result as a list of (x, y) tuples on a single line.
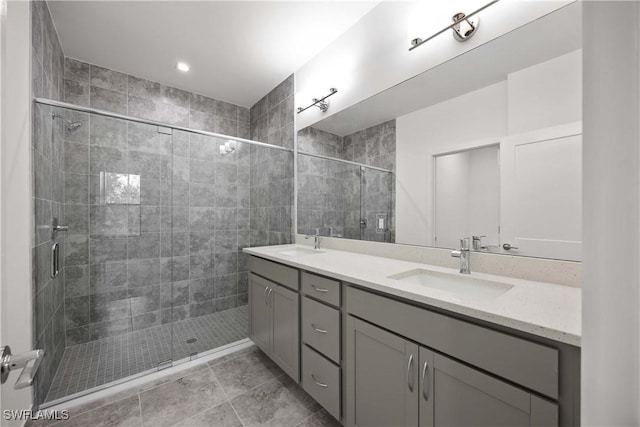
[(151, 269), (210, 205), (120, 267), (376, 205)]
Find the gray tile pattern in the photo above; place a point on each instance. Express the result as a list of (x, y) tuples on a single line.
[(102, 361), (175, 245), (198, 397), (271, 172), (48, 161), (94, 86), (334, 197), (169, 253)]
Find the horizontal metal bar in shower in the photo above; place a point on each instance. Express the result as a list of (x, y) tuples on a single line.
[(348, 162), (104, 113)]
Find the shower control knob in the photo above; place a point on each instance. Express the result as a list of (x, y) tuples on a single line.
[(508, 247)]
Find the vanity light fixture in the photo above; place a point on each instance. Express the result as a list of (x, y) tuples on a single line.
[(464, 26), (321, 103), (183, 66)]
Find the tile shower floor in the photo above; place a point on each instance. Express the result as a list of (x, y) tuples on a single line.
[(241, 389), (99, 362)]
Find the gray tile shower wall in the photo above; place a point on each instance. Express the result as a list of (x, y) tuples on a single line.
[(375, 146), (333, 197), (328, 191), (271, 177), (173, 251), (48, 198)]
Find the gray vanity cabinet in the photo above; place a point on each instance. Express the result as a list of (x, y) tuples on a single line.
[(259, 315), (463, 396), (274, 313), (383, 380), (394, 382), (285, 342), (373, 360)]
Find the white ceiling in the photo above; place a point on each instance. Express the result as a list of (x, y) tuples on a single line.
[(238, 50)]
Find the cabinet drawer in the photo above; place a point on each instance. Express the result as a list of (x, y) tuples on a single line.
[(522, 361), (321, 288), (321, 379), (275, 272), (321, 328)]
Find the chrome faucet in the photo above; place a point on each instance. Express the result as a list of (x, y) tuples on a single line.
[(316, 239), (463, 253)]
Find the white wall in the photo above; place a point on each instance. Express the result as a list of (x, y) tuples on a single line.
[(611, 213), (476, 118), (375, 50), (543, 95), (15, 194), (547, 94)]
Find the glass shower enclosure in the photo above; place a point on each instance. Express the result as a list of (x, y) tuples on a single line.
[(340, 198), (151, 264)]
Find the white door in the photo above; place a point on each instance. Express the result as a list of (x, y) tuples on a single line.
[(467, 196), (541, 186), (15, 195)]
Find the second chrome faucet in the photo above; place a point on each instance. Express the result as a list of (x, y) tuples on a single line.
[(316, 240), (463, 253)]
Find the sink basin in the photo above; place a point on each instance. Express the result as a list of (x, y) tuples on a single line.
[(294, 252), (454, 284)]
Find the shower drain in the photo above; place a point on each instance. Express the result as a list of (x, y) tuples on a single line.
[(191, 340)]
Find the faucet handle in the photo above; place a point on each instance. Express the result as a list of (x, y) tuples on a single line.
[(477, 242), (464, 244)]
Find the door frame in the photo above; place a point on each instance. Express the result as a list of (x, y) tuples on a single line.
[(444, 150), (16, 203)]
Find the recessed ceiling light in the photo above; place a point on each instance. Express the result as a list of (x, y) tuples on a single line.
[(182, 66)]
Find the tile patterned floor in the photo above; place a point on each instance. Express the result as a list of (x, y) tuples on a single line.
[(99, 362), (242, 389)]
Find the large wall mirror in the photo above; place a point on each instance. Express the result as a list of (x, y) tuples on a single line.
[(487, 144)]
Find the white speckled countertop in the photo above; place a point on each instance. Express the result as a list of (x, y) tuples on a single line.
[(542, 309)]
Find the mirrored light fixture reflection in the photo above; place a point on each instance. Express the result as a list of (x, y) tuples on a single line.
[(321, 103), (464, 26)]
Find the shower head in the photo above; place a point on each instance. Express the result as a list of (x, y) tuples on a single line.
[(228, 147), (73, 126)]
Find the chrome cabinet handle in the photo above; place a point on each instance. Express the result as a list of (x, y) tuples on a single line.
[(323, 290), (269, 295), (425, 385), (266, 288), (313, 377), (322, 331), (409, 376), (508, 247)]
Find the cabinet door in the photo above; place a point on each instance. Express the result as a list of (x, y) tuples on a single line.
[(465, 396), (259, 319), (285, 343), (426, 387), (383, 385)]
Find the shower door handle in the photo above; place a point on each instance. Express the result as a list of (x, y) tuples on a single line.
[(55, 260)]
